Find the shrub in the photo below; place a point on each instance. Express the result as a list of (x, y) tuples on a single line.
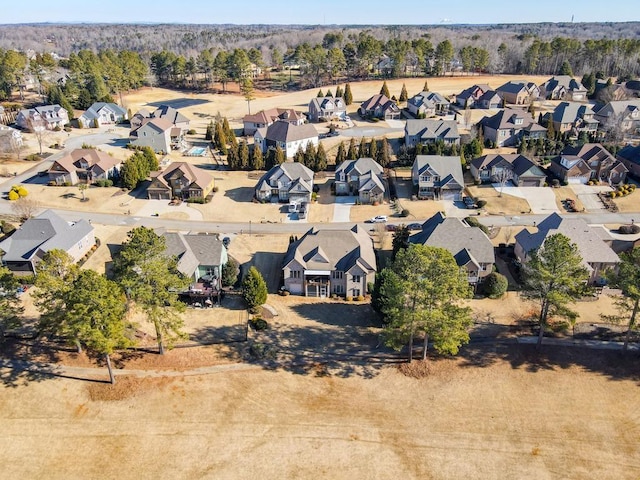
[(359, 298), (191, 131), (13, 195), (555, 183), (195, 200), (33, 157), (613, 194), (348, 298), (629, 229), (104, 183), (215, 189), (22, 191), (7, 228), (404, 212), (495, 285), (67, 129), (66, 184), (57, 128), (473, 222), (314, 196), (481, 203), (259, 324)]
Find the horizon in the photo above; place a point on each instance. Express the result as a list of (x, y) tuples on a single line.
[(284, 12)]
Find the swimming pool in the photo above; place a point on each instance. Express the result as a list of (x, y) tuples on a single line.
[(196, 151)]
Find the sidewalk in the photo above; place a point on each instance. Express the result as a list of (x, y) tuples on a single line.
[(569, 342)]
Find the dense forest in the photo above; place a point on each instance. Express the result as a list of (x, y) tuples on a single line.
[(93, 62)]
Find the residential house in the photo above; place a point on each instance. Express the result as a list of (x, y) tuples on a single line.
[(517, 168), (265, 118), (437, 177), (428, 104), (362, 177), (563, 87), (328, 262), (507, 127), (604, 92), (379, 106), (159, 134), (84, 165), (623, 116), (200, 257), (518, 93), (22, 251), (163, 112), (9, 137), (180, 180), (469, 96), (489, 99), (469, 245), (630, 156), (426, 131), (288, 182), (385, 66), (102, 113), (590, 161), (49, 116), (575, 118), (597, 256), (287, 136), (327, 108)]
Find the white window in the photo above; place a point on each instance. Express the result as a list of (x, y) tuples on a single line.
[(338, 289), (295, 273), (356, 279), (356, 292), (336, 274), (425, 178)]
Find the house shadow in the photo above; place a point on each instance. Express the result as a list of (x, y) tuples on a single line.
[(269, 264), (240, 194), (339, 314), (119, 142), (38, 179), (179, 103), (211, 334)]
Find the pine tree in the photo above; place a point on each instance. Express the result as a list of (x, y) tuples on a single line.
[(373, 148), (243, 156), (310, 156), (352, 153), (254, 289), (384, 157), (425, 88), (228, 133), (329, 94), (463, 159), (362, 148), (320, 94), (385, 90), (299, 156), (551, 131), (348, 96), (339, 92), (404, 95), (257, 160), (232, 158), (341, 156), (220, 139), (210, 131), (321, 159)]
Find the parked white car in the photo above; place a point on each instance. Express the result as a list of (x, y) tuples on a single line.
[(378, 219)]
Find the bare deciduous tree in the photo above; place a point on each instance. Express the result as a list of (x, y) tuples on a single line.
[(25, 207), (40, 132)]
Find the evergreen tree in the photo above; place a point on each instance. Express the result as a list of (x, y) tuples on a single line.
[(280, 156), (404, 95), (348, 96), (463, 159), (341, 156), (254, 289), (362, 148), (329, 94), (230, 272), (299, 155), (10, 303), (352, 153), (321, 159), (228, 133), (339, 92), (373, 149), (243, 156), (257, 160), (425, 88), (320, 94), (220, 139), (384, 156), (385, 90), (551, 130), (309, 158), (565, 69), (210, 131), (233, 159)]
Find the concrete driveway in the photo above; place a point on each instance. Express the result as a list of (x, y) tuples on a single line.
[(541, 200), (342, 208), (588, 195)]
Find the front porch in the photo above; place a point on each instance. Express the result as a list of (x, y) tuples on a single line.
[(317, 283)]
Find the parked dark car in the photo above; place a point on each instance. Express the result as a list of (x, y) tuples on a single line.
[(414, 226), (469, 202)]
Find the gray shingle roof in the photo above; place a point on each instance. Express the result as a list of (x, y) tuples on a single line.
[(464, 242), (520, 163), (361, 166), (285, 132), (449, 168), (43, 233), (507, 119), (428, 129), (569, 112), (194, 250)]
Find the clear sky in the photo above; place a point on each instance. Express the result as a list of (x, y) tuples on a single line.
[(318, 12)]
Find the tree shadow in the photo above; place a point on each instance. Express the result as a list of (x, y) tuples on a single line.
[(179, 103), (240, 194), (339, 313), (212, 334)]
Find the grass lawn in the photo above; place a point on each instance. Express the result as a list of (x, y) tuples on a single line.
[(497, 204)]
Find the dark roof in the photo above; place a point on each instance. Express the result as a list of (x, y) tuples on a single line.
[(381, 101), (285, 132), (519, 163), (506, 119), (630, 153), (432, 129)]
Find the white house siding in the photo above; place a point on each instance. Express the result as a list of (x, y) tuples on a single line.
[(81, 248)]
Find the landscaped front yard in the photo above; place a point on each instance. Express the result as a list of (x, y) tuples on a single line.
[(498, 204)]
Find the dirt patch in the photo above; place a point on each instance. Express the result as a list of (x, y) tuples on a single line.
[(125, 388), (564, 193)]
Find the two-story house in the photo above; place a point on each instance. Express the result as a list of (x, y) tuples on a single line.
[(428, 104), (102, 113), (328, 262), (630, 156), (574, 117), (590, 161), (379, 106), (327, 108), (507, 127), (514, 167), (437, 177), (471, 248), (361, 177), (287, 136), (180, 180), (426, 131), (288, 182), (84, 165), (596, 255), (623, 115), (518, 93), (469, 96), (563, 87), (48, 116), (265, 118)]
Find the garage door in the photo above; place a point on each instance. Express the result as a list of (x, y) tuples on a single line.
[(453, 196), (529, 183), (578, 180), (295, 288)]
